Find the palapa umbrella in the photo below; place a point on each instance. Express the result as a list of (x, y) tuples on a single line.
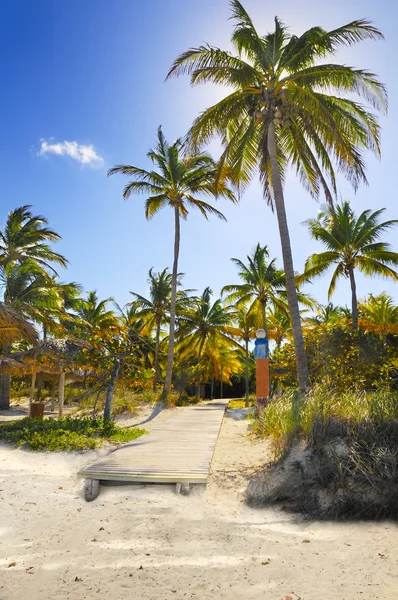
[(56, 355), (13, 327), (11, 366)]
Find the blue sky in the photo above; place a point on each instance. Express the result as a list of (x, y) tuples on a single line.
[(92, 72)]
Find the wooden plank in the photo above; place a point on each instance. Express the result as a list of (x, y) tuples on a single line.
[(180, 450)]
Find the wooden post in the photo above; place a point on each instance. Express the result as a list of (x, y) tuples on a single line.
[(32, 391), (61, 394), (53, 388)]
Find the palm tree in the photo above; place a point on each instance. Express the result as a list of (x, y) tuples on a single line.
[(351, 243), (246, 324), (25, 237), (29, 291), (94, 315), (380, 315), (155, 309), (177, 182), (206, 322), (263, 285), (279, 326), (220, 363), (325, 314), (287, 108)]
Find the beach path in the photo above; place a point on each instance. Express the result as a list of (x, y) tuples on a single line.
[(178, 450)]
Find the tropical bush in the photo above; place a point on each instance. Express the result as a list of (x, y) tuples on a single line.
[(69, 434)]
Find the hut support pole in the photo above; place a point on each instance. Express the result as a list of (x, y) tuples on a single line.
[(32, 391), (61, 394)]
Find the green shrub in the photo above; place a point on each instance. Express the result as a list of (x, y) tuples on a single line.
[(65, 434), (240, 403)]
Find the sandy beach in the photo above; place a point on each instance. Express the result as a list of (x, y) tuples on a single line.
[(147, 542)]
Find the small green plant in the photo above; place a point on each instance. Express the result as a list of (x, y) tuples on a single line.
[(240, 403), (69, 434)]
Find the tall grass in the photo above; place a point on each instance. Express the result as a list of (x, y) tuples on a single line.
[(289, 416)]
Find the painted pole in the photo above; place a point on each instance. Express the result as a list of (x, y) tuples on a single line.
[(262, 368)]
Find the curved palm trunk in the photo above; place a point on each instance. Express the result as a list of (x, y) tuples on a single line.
[(170, 353), (301, 359), (247, 373), (157, 341), (354, 300)]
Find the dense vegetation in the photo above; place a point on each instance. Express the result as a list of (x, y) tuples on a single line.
[(65, 434)]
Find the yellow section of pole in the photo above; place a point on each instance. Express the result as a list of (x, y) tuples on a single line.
[(32, 392), (61, 394)]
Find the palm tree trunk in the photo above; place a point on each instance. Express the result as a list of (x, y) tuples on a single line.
[(170, 354), (301, 359), (263, 307), (109, 390), (354, 300), (221, 386), (247, 373), (212, 389), (5, 387), (157, 341)]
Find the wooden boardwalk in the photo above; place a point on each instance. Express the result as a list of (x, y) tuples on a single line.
[(179, 450)]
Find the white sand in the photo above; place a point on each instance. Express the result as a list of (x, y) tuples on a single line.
[(144, 542)]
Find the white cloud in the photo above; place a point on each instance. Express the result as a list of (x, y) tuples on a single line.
[(85, 155)]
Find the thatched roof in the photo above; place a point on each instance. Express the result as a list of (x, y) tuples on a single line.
[(54, 351), (11, 366), (13, 327)]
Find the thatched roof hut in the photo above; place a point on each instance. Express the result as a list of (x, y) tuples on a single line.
[(53, 356), (13, 327)]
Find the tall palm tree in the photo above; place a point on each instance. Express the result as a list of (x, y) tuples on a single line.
[(206, 322), (26, 237), (177, 181), (155, 309), (380, 315), (262, 282), (245, 326), (287, 108), (352, 242)]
